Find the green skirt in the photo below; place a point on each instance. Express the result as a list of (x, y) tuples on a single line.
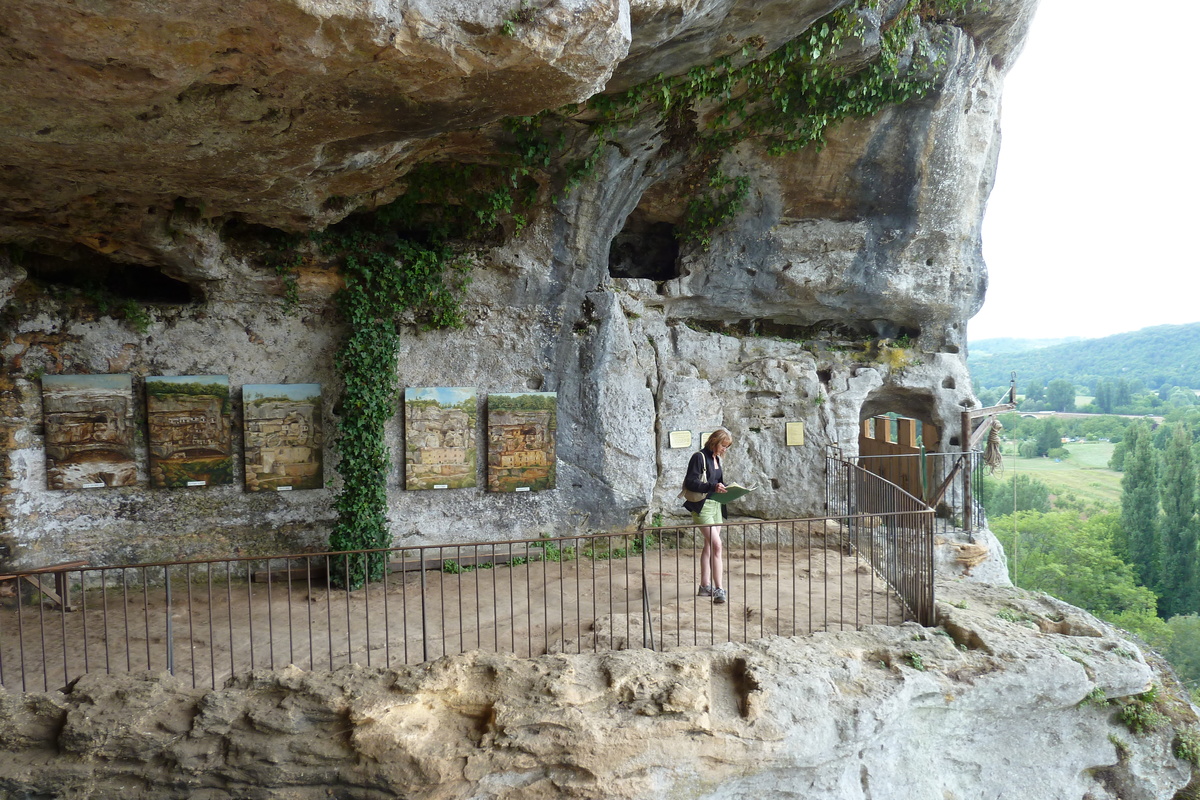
[(710, 513)]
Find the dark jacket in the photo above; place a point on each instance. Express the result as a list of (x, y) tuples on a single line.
[(695, 471)]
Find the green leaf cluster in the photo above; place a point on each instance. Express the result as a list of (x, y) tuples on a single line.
[(136, 315), (790, 97), (1140, 713), (786, 100), (450, 201), (1030, 494), (1186, 745), (706, 212), (1074, 559), (386, 276)]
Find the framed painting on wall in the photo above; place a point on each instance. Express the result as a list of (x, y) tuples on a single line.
[(189, 422), (283, 436), (522, 435), (439, 438), (89, 431)]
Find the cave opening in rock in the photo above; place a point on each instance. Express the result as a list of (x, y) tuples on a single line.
[(898, 441), (103, 278), (882, 412), (644, 248)]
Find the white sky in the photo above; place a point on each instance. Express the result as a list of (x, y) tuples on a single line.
[(1090, 228)]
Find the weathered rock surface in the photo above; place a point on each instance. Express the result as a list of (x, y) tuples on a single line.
[(119, 114), (141, 138), (1014, 694)]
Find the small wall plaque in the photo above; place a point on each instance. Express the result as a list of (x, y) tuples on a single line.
[(795, 433), (678, 439)]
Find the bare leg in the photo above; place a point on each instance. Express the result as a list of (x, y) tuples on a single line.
[(711, 564)]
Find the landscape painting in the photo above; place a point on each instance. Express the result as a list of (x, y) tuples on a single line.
[(283, 436), (189, 422), (522, 431), (439, 438), (89, 431)]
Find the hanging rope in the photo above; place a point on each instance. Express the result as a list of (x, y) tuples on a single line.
[(991, 452)]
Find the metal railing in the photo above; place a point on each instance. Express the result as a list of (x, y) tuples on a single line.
[(950, 483), (890, 528), (208, 620)]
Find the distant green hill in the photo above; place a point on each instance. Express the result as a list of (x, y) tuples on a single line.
[(995, 347), (1164, 354)]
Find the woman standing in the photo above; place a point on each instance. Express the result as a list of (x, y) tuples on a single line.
[(704, 474)]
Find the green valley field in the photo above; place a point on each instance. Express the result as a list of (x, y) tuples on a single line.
[(1084, 473)]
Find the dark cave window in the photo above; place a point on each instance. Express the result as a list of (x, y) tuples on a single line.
[(92, 272), (644, 249)]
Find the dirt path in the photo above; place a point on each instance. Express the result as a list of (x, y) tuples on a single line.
[(215, 624)]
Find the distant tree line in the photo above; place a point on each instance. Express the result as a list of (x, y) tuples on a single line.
[(1040, 436), (1162, 356), (1108, 396), (162, 389), (1137, 566), (522, 402)]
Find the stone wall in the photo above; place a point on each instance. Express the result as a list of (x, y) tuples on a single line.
[(1014, 694), (627, 372), (841, 290)]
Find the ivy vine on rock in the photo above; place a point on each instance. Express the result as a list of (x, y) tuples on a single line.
[(708, 211), (386, 277), (786, 100)]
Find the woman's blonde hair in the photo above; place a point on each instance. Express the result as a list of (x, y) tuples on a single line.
[(717, 437)]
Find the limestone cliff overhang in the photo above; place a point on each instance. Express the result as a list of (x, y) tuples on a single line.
[(122, 118)]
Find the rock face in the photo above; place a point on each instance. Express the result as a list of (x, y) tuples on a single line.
[(264, 109), (1013, 694), (142, 143)]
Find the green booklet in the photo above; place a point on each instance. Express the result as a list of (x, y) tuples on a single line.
[(732, 492)]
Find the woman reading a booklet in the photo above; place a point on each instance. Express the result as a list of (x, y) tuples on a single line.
[(704, 475)]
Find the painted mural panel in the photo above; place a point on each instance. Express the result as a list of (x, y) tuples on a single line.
[(89, 431), (522, 431), (189, 422), (283, 436), (439, 438)]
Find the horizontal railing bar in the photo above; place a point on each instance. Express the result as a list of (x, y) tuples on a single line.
[(21, 572), (793, 576)]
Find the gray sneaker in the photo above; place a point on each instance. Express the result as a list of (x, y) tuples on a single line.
[(705, 591), (718, 596)]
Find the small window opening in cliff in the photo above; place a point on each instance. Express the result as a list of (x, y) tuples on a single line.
[(105, 280), (644, 249)]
